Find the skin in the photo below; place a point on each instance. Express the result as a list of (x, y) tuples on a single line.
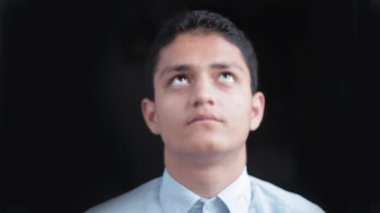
[(203, 110)]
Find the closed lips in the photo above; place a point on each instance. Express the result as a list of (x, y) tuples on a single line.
[(204, 117)]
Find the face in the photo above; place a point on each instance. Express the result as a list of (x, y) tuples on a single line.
[(203, 101)]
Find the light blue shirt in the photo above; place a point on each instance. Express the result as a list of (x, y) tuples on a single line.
[(246, 194)]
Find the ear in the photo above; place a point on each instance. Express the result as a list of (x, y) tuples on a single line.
[(258, 105), (149, 113)]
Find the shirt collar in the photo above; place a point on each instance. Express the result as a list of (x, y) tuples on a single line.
[(176, 198), (237, 196)]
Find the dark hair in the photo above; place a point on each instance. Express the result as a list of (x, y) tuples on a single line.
[(206, 22)]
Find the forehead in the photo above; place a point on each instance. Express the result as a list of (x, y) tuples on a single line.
[(197, 48)]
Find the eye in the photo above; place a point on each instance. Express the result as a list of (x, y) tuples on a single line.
[(179, 80), (226, 77)]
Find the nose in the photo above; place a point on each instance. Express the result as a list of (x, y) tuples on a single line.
[(202, 93)]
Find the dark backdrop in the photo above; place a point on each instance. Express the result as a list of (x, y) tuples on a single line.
[(72, 134)]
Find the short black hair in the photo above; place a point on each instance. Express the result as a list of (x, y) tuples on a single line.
[(207, 22)]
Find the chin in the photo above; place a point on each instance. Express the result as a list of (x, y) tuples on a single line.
[(207, 145)]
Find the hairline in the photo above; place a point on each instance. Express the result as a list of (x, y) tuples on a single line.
[(199, 31)]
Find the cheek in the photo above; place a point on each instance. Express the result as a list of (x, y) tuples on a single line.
[(170, 121), (169, 112), (239, 108)]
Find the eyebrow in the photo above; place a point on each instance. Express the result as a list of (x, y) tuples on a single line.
[(226, 66), (177, 68), (189, 67)]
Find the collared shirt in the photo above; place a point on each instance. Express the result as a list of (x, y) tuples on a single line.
[(246, 194), (176, 198)]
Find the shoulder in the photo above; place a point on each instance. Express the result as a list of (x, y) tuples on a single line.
[(271, 198), (139, 199)]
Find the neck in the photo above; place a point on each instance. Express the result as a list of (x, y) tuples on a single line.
[(206, 177)]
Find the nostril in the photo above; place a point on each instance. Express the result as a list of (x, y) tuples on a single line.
[(204, 100)]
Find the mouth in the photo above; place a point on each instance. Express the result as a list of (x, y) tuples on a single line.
[(204, 118)]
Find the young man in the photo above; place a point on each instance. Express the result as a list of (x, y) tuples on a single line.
[(204, 103)]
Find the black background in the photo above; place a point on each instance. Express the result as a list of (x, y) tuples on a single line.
[(72, 134)]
